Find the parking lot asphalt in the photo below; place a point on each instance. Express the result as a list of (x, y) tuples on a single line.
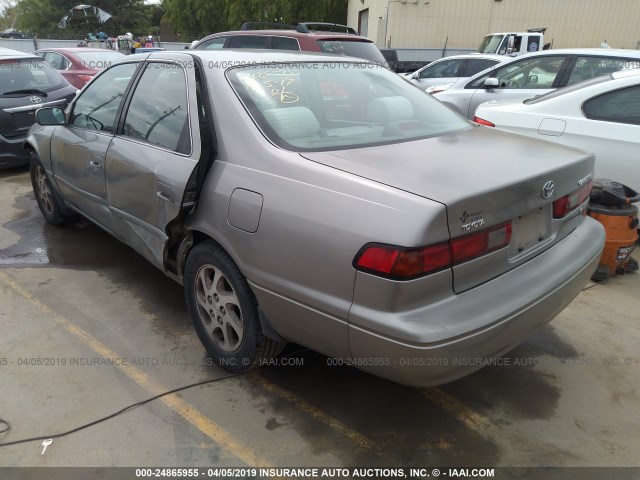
[(89, 327)]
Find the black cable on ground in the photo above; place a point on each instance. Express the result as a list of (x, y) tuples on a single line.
[(108, 417)]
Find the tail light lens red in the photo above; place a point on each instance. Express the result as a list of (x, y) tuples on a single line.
[(482, 121), (568, 203), (406, 263), (85, 78)]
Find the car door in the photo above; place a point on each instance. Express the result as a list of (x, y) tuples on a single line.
[(610, 128), (78, 149), (524, 78), (150, 162)]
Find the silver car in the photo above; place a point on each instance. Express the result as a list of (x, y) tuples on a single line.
[(323, 201), (534, 74), (450, 69)]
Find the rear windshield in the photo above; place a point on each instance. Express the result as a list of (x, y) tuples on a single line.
[(319, 106), (353, 48), (28, 76), (99, 60)]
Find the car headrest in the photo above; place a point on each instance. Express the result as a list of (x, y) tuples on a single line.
[(292, 122), (389, 109)]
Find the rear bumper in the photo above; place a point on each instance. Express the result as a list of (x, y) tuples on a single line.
[(426, 345), (12, 154)]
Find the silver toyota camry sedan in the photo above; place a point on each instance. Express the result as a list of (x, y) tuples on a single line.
[(322, 200)]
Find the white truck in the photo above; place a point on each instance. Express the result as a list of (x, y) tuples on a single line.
[(516, 43)]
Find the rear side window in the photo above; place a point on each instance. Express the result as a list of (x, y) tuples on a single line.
[(586, 68), (56, 61), (248, 41), (284, 43), (473, 66), (621, 106), (353, 48), (213, 44), (161, 120), (98, 104), (443, 69)]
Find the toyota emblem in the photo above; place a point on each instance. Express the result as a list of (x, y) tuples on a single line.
[(35, 99), (547, 189)]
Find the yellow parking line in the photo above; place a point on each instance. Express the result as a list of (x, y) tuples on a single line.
[(182, 408), (471, 419), (356, 438)]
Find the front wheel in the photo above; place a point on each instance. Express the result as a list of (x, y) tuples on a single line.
[(224, 310), (45, 197)]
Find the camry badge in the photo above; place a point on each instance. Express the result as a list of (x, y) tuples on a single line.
[(35, 99), (547, 189)]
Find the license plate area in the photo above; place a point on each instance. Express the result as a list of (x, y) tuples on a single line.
[(528, 231)]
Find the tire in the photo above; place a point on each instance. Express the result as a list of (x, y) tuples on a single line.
[(224, 310), (49, 206)]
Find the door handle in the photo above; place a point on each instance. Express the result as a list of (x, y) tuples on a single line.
[(165, 192)]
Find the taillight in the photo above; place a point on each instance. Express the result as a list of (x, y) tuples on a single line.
[(406, 263), (482, 121), (568, 203), (85, 78)]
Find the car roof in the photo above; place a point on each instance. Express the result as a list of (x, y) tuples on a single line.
[(75, 49), (317, 34), (484, 56), (10, 53)]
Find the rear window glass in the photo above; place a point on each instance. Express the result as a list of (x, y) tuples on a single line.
[(353, 48), (27, 76), (319, 106), (99, 60)]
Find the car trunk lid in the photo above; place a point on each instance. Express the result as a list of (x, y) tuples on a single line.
[(485, 178)]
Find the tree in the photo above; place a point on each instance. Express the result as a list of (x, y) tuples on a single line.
[(41, 17), (201, 17)]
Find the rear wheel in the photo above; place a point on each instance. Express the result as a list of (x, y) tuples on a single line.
[(47, 202), (224, 310)]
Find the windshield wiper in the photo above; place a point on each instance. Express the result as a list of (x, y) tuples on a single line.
[(26, 91)]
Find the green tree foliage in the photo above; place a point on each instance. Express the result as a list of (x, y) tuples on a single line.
[(202, 17), (41, 17)]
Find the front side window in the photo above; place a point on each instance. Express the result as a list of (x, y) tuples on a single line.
[(621, 106), (97, 106), (528, 73), (320, 106), (476, 65), (158, 113)]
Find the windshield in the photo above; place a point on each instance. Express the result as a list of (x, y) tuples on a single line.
[(490, 44), (99, 60), (353, 48), (27, 76), (336, 105)]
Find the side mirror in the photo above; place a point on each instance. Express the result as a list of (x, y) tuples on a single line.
[(491, 82), (415, 76), (532, 79), (50, 116)]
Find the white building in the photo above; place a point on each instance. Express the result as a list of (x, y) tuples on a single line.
[(460, 24)]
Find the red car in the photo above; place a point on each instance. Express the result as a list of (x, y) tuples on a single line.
[(79, 65), (307, 37)]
